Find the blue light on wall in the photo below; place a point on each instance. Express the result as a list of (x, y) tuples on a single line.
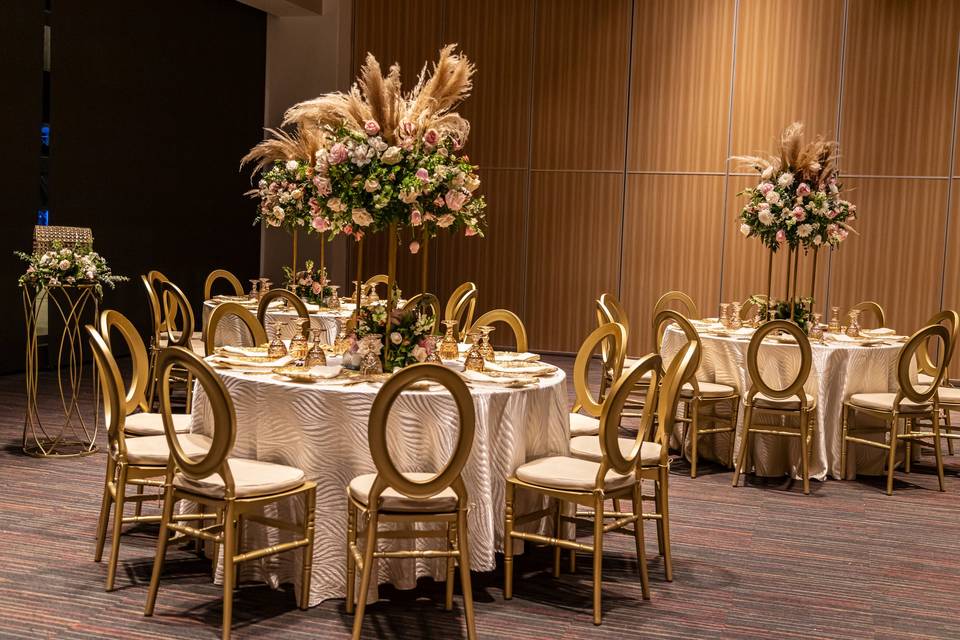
[(43, 217), (45, 135)]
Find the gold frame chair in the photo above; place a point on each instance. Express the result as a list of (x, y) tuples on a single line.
[(460, 307), (257, 333), (167, 304), (427, 301), (290, 298), (509, 318), (764, 399), (690, 309), (610, 332), (873, 308), (609, 309), (749, 305), (920, 404), (234, 512), (221, 274), (694, 400), (389, 478), (927, 370)]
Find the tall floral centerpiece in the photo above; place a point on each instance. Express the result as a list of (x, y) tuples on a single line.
[(377, 159), (796, 206)]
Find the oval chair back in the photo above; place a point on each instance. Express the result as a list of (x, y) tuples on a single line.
[(388, 476), (371, 284), (920, 339), (610, 308), (111, 385), (426, 303), (221, 274), (869, 307), (750, 305), (460, 307), (758, 384), (136, 392), (951, 320), (667, 317), (510, 319), (176, 305), (612, 414), (292, 299), (681, 370), (257, 333), (616, 334), (689, 307), (221, 407)]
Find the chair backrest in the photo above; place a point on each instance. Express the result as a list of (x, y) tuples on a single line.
[(373, 281), (257, 333), (111, 385), (749, 306), (614, 332), (667, 317), (510, 319), (951, 320), (221, 274), (291, 298), (611, 310), (164, 309), (176, 305), (461, 305), (221, 408), (907, 355), (136, 392), (426, 303), (612, 414), (682, 369), (689, 307), (869, 307), (758, 384), (388, 476)]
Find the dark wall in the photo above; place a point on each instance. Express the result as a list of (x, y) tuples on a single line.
[(153, 104)]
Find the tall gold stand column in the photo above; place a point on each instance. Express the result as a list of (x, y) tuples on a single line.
[(296, 241), (359, 275), (425, 248), (72, 437), (391, 280)]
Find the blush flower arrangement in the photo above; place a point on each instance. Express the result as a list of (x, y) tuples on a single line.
[(65, 267), (311, 284), (408, 335)]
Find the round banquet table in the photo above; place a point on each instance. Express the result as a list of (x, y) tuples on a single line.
[(840, 369), (232, 331), (322, 429)]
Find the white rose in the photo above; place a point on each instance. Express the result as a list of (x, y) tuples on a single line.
[(361, 216), (64, 265), (395, 337), (817, 240), (391, 155), (785, 179), (745, 229), (292, 165), (765, 217), (773, 197)]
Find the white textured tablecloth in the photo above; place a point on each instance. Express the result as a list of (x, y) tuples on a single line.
[(323, 430), (233, 332), (839, 370)]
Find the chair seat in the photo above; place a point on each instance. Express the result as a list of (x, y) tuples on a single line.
[(949, 395), (393, 500), (925, 379), (884, 402), (151, 424), (153, 450), (764, 401), (567, 473), (581, 425), (250, 477), (196, 343), (708, 390), (588, 448)]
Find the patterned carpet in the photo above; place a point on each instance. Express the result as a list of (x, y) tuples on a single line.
[(757, 562)]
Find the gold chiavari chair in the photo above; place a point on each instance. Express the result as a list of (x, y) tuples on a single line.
[(509, 318), (609, 309), (137, 462), (237, 489), (288, 297), (257, 333), (749, 307), (426, 303), (590, 483), (460, 307), (927, 370), (616, 335), (869, 307), (909, 404), (390, 495), (697, 395), (221, 274), (791, 401), (689, 307)]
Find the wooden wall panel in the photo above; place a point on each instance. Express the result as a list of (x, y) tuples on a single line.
[(580, 84), (897, 259), (680, 91), (770, 89), (899, 85), (408, 32), (573, 254), (660, 241), (951, 271), (497, 36)]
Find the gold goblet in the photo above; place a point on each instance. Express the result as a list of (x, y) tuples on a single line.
[(449, 349), (474, 359)]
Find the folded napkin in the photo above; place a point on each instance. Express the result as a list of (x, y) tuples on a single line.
[(838, 337), (247, 352), (327, 372), (262, 364), (512, 381), (526, 356), (528, 369), (882, 331)]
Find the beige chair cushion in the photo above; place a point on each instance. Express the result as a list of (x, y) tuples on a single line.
[(581, 425), (588, 448), (151, 424), (250, 478), (925, 379), (787, 404), (949, 395), (884, 402), (708, 390), (196, 343), (153, 450), (393, 500), (566, 473)]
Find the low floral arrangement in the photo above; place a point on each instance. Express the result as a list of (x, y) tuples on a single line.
[(407, 341), (62, 267), (311, 284), (797, 202), (781, 310)]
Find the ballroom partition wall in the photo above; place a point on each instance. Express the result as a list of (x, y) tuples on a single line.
[(614, 176)]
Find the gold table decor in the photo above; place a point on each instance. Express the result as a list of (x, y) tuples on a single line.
[(474, 360), (449, 350)]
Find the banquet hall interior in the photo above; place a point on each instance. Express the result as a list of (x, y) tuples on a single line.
[(430, 319)]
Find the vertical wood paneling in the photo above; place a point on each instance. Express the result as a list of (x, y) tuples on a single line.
[(897, 258), (770, 89), (573, 254), (580, 84), (951, 271), (408, 32), (681, 84), (899, 86), (497, 36), (669, 246)]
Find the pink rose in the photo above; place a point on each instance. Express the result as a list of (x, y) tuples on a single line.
[(455, 200), (407, 127), (799, 214), (831, 214), (348, 229), (803, 189), (338, 153), (322, 184), (317, 288), (471, 231), (781, 236), (361, 216), (431, 137), (414, 247), (371, 127), (321, 224), (416, 218), (422, 174), (445, 221), (765, 188)]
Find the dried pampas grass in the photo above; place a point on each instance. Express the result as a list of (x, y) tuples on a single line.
[(814, 162)]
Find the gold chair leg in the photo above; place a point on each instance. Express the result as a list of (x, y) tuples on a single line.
[(508, 543), (664, 508), (805, 451), (948, 427), (465, 584), (105, 509), (845, 417), (908, 452), (451, 566), (744, 444), (121, 489), (658, 509), (641, 544), (189, 393), (138, 509), (734, 414), (162, 538), (694, 436), (937, 452), (229, 570), (892, 457), (556, 534), (351, 561), (309, 530), (365, 574), (597, 558)]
